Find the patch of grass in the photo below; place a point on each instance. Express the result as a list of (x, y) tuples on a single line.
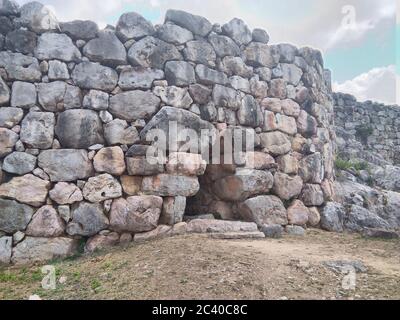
[(95, 284), (344, 165)]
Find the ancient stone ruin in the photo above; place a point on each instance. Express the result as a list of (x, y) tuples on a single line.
[(77, 107)]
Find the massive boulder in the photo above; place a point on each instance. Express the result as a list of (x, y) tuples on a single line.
[(14, 216), (8, 139), (179, 73), (133, 26), (65, 193), (200, 51), (261, 55), (46, 223), (37, 17), (110, 160), (57, 96), (9, 8), (10, 117), (22, 41), (56, 46), (102, 187), (332, 217), (19, 163), (80, 29), (20, 67), (37, 130), (89, 75), (238, 31), (87, 219), (224, 46), (196, 24), (139, 78), (287, 187), (167, 185), (174, 34)]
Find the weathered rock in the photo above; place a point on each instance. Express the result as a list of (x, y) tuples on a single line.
[(102, 187), (58, 96), (79, 129), (209, 76), (23, 94), (174, 96), (235, 66), (9, 8), (19, 163), (287, 187), (274, 231), (64, 165), (298, 213), (10, 117), (118, 132), (96, 100), (238, 31), (276, 143), (224, 46), (14, 216), (259, 161), (80, 29), (65, 213), (278, 89), (226, 97), (259, 89), (131, 185), (291, 73), (134, 105), (56, 46), (27, 189), (166, 185), (311, 169), (58, 70), (133, 26), (249, 113), (286, 124), (260, 35), (6, 24), (37, 17), (160, 232), (179, 73), (200, 51), (135, 214), (244, 184), (380, 234), (5, 250), (106, 49), (65, 193), (110, 160), (87, 219), (139, 78), (359, 218), (37, 130), (186, 164), (196, 24), (99, 242), (288, 164), (173, 210), (152, 53), (237, 235), (261, 55), (22, 41), (295, 231), (312, 195), (8, 139), (4, 92), (46, 223), (89, 75), (219, 226), (306, 124), (314, 217), (43, 249), (20, 67), (174, 34), (342, 266)]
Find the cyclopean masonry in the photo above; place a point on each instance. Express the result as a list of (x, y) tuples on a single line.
[(80, 106)]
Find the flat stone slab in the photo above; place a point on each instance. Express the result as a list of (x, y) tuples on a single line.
[(237, 235)]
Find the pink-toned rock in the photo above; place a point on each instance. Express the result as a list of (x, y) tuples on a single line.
[(99, 242), (173, 210), (26, 189), (220, 226), (272, 104), (66, 193), (8, 139), (169, 185), (135, 214), (131, 184), (158, 233), (125, 238), (110, 160), (314, 217), (298, 213), (287, 187), (290, 108), (306, 124), (269, 121), (259, 160), (102, 187), (288, 164), (222, 210), (186, 164), (179, 229), (46, 223), (328, 189), (278, 89), (286, 124)]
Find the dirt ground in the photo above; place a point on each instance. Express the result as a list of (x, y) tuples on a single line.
[(195, 267)]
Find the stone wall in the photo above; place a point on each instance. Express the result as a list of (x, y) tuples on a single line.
[(367, 130), (78, 103)]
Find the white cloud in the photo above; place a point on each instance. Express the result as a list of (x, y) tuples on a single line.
[(379, 84)]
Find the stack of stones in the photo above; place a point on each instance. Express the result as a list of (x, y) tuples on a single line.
[(77, 102)]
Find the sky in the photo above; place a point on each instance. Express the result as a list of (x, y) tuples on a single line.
[(357, 37)]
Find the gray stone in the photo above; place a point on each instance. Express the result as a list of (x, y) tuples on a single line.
[(139, 77), (20, 67), (153, 53), (135, 214), (79, 129), (276, 143), (101, 188), (96, 100), (219, 226), (239, 83), (37, 130), (174, 34), (43, 249), (8, 139), (37, 17), (196, 24), (261, 55), (224, 46), (200, 94), (343, 266), (9, 8), (5, 250), (46, 223), (58, 70), (264, 210), (23, 94), (200, 51), (58, 96), (133, 26), (311, 168), (312, 195), (235, 66), (134, 105), (56, 46), (306, 124), (87, 219), (88, 75), (226, 97), (244, 184), (14, 216), (66, 165), (287, 187), (174, 96), (22, 41), (119, 132), (291, 74), (65, 213), (166, 185), (249, 113), (140, 166), (380, 234), (173, 210), (80, 29), (238, 31), (260, 35), (274, 231), (237, 235), (288, 53), (106, 49), (6, 24), (10, 117), (295, 231), (209, 76), (179, 73), (19, 163), (359, 218), (4, 92)]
